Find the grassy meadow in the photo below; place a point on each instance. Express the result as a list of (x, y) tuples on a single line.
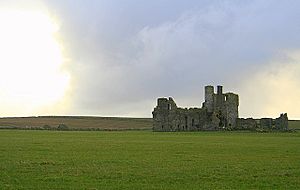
[(32, 159)]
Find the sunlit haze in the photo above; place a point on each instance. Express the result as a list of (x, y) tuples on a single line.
[(31, 58)]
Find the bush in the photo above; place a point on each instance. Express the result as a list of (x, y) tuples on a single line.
[(62, 127), (47, 127)]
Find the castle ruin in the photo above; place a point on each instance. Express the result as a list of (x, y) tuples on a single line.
[(219, 112)]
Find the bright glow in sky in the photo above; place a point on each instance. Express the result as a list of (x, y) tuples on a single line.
[(30, 60)]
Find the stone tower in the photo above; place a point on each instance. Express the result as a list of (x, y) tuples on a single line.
[(209, 99), (231, 106), (224, 107), (219, 100), (163, 114)]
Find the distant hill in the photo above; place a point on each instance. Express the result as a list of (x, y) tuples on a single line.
[(78, 122), (294, 124), (83, 122)]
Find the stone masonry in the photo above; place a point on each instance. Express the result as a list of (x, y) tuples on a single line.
[(219, 112)]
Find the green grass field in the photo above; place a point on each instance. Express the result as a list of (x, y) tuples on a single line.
[(146, 160)]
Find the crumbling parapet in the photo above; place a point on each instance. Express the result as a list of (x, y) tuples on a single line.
[(280, 123), (266, 123)]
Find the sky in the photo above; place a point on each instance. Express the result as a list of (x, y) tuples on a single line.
[(116, 57)]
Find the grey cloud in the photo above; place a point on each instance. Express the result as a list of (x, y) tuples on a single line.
[(122, 57)]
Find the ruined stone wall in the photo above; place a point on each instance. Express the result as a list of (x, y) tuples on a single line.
[(266, 123), (160, 115), (219, 112), (168, 117), (197, 119), (281, 123), (245, 124)]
